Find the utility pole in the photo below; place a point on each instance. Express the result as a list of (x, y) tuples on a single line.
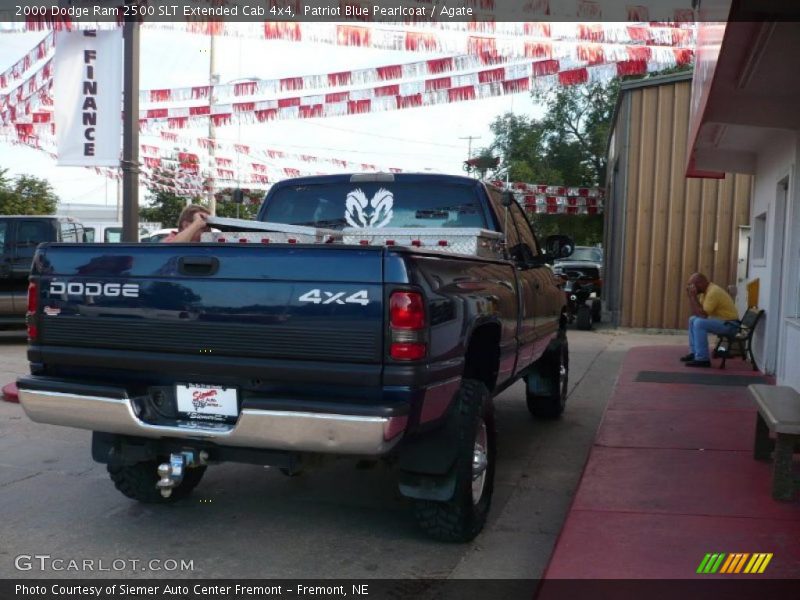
[(130, 133), (213, 80), (469, 144)]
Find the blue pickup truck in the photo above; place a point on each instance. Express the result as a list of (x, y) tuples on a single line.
[(177, 356)]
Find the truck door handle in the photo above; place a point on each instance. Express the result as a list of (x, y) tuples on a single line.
[(198, 265)]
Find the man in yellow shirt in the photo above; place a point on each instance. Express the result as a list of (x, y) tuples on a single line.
[(713, 311)]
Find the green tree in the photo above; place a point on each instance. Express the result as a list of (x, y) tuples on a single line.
[(248, 209), (163, 207), (576, 127), (26, 195), (565, 147)]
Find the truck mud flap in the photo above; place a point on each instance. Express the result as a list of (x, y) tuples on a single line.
[(439, 488), (427, 463)]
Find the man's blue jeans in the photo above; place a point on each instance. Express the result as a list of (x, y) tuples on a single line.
[(699, 328)]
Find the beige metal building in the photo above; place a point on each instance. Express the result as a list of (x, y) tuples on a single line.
[(660, 226)]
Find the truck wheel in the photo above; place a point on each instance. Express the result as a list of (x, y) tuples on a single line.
[(462, 517), (546, 388), (584, 317), (138, 481), (597, 311)]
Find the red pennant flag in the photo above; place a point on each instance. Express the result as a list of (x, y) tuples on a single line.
[(342, 78)]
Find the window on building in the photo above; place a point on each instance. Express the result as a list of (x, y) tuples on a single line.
[(758, 240)]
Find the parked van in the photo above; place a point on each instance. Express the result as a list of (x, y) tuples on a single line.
[(103, 232), (19, 237)]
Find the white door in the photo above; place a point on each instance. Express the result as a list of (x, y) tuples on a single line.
[(775, 311)]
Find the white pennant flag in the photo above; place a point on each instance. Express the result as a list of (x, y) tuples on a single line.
[(88, 97)]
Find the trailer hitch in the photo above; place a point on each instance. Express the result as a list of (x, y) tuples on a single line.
[(170, 475)]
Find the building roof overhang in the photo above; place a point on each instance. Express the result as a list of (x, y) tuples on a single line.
[(744, 90)]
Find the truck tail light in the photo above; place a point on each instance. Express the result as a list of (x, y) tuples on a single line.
[(30, 314), (407, 323), (406, 310), (408, 350)]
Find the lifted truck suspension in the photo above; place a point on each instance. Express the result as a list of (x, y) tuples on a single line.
[(171, 474)]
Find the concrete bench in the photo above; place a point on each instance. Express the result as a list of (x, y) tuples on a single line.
[(779, 412)]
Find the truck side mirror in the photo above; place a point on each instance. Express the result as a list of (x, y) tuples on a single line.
[(558, 246), (508, 199)]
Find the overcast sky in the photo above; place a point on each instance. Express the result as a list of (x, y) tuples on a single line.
[(414, 139)]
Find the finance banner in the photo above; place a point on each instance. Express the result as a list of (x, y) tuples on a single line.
[(87, 97)]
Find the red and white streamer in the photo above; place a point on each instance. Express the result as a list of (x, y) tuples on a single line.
[(580, 53), (405, 38), (36, 81), (19, 70), (668, 34), (556, 199), (256, 155), (484, 84), (488, 83)]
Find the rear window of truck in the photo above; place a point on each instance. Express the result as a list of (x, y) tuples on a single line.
[(375, 204)]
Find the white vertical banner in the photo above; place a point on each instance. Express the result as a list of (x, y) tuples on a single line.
[(87, 97)]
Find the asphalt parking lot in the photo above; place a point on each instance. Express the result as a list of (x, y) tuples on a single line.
[(342, 520)]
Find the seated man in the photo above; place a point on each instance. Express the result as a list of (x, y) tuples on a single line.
[(713, 311)]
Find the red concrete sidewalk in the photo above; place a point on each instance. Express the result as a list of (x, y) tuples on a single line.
[(670, 478)]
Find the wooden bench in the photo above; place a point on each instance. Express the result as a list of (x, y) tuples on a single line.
[(779, 412)]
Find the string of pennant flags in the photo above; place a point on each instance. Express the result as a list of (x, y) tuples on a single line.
[(482, 13), (484, 60), (556, 199), (20, 68), (488, 83), (405, 38), (185, 180), (259, 153), (169, 145), (675, 33), (569, 56)]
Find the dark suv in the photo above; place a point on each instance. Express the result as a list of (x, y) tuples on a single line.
[(583, 284), (19, 237)]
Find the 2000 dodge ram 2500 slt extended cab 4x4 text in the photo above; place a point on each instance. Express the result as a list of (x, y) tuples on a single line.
[(181, 355)]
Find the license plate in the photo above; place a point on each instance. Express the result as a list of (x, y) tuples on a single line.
[(207, 402)]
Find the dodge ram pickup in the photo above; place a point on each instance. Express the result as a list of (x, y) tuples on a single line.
[(387, 335)]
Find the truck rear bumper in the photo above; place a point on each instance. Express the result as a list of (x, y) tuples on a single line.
[(111, 411)]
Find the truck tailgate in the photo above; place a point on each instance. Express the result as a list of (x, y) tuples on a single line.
[(251, 301)]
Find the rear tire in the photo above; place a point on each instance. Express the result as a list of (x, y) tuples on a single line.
[(584, 318), (138, 481), (546, 388), (462, 517)]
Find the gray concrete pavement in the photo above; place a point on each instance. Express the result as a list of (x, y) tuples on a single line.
[(334, 522)]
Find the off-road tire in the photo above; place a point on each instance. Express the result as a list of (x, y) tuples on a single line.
[(138, 481), (461, 519), (597, 311), (545, 389), (584, 317)]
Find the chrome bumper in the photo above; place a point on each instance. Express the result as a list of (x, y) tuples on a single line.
[(272, 429)]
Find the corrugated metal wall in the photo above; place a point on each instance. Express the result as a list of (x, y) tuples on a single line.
[(673, 226)]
